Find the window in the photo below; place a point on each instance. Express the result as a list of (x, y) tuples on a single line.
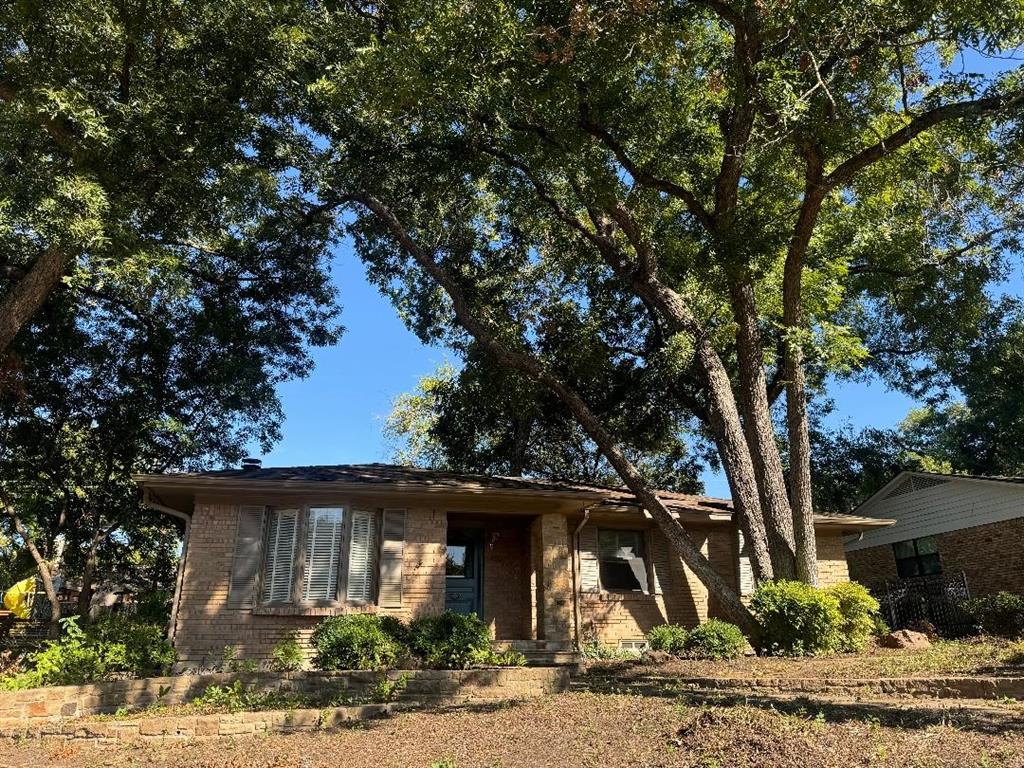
[(337, 542), (323, 553), (279, 565), (621, 558), (917, 557)]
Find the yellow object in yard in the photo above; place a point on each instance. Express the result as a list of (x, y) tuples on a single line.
[(18, 599)]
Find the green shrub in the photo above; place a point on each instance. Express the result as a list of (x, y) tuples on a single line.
[(796, 619), (670, 638), (287, 655), (154, 607), (858, 610), (148, 652), (240, 698), (450, 641), (715, 639), (1001, 614), (357, 641), (75, 659)]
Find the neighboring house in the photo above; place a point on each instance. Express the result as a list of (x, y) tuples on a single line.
[(549, 564), (945, 524)]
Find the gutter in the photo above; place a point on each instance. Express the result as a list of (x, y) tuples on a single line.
[(147, 501), (577, 612)]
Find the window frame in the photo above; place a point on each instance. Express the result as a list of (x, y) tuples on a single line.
[(299, 560), (644, 539), (917, 558)]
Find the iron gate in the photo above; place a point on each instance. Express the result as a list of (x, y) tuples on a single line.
[(935, 599)]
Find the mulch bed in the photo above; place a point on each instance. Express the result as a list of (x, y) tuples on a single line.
[(589, 729)]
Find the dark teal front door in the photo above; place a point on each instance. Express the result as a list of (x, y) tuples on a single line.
[(463, 571)]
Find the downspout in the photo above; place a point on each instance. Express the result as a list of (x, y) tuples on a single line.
[(576, 592), (147, 501)]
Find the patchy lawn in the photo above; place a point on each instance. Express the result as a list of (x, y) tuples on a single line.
[(589, 729), (945, 657)]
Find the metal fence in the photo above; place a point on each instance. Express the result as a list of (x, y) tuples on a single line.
[(933, 599)]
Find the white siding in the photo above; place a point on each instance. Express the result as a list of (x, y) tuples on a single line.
[(952, 506)]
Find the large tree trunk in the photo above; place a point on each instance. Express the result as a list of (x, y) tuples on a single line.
[(533, 368), (29, 293), (45, 575), (723, 417), (800, 468), (757, 423), (797, 426), (89, 573)]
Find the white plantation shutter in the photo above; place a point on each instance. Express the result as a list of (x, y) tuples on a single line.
[(392, 550), (279, 566), (746, 570), (361, 558), (323, 551), (590, 570)]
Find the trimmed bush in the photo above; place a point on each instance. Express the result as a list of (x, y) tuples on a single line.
[(451, 641), (1001, 614), (796, 619), (858, 610), (715, 639), (669, 638), (357, 641)]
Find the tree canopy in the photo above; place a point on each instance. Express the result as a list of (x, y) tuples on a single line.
[(703, 196)]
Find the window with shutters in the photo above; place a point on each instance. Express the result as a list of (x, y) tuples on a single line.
[(324, 533), (319, 556), (279, 562)]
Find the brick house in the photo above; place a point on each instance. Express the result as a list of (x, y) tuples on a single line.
[(945, 524), (547, 565)]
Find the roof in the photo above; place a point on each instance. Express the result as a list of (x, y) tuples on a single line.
[(396, 477), (883, 492)]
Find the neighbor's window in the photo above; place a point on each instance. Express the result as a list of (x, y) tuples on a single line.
[(917, 557), (622, 563), (279, 562), (323, 553)]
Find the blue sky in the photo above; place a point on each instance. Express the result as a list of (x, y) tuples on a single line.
[(336, 415)]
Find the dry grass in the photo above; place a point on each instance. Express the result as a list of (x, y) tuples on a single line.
[(586, 729), (975, 657)]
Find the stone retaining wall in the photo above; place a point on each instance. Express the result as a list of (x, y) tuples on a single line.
[(471, 685), (172, 728), (918, 687)]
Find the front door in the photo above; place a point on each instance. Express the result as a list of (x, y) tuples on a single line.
[(463, 571)]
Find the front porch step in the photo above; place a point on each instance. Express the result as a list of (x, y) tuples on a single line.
[(541, 653)]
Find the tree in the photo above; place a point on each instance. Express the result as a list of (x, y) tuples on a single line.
[(141, 374), (488, 420), (136, 137), (699, 176)]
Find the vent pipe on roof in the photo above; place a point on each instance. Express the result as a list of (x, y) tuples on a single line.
[(250, 464)]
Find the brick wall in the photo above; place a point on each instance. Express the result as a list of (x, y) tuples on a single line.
[(206, 625), (506, 589), (991, 557), (832, 568), (684, 600)]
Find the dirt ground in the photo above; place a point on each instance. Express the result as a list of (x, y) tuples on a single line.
[(590, 729)]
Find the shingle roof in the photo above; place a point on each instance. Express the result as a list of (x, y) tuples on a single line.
[(391, 474)]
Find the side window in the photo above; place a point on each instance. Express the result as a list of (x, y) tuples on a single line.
[(917, 557), (622, 559)]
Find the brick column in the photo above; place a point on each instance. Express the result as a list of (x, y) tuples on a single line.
[(554, 577)]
